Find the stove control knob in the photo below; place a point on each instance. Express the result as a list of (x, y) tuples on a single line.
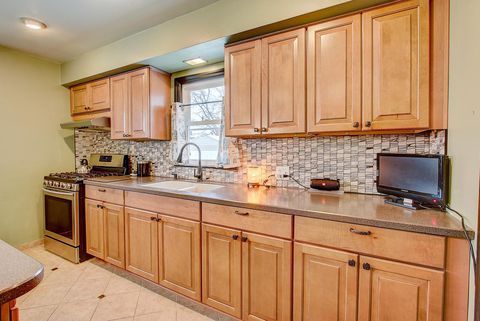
[(45, 183), (68, 186), (56, 184), (62, 185)]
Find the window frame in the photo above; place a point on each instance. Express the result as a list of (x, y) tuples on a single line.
[(178, 97)]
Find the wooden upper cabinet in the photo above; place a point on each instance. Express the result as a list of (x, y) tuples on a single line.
[(179, 259), (94, 222), (100, 94), (399, 292), (334, 75), (325, 284), (141, 239), (120, 121), (266, 278), (90, 97), (114, 235), (396, 66), (283, 83), (221, 269), (242, 89), (78, 99), (141, 105)]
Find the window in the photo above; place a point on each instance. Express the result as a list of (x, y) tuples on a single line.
[(203, 111)]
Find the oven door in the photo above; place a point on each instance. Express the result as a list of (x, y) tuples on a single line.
[(61, 216)]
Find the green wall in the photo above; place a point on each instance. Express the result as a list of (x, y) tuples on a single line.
[(464, 111), (32, 105)]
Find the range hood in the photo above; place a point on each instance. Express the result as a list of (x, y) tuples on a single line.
[(100, 124)]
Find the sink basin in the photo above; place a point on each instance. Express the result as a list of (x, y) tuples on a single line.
[(183, 186)]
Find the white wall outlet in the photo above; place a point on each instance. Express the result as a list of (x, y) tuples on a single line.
[(280, 171)]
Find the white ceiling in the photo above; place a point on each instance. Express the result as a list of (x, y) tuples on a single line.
[(77, 26)]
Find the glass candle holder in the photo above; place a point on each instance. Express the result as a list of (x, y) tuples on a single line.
[(254, 176)]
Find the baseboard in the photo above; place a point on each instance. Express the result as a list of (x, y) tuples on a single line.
[(26, 246)]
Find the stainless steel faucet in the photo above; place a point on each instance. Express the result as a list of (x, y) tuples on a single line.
[(198, 172)]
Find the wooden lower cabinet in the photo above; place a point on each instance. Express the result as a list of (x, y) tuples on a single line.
[(141, 239), (114, 223), (221, 269), (246, 275), (266, 278), (179, 256), (325, 284), (399, 292), (95, 228)]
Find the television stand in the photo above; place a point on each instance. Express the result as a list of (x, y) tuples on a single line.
[(403, 202)]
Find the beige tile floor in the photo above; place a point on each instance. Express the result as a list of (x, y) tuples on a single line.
[(71, 292)]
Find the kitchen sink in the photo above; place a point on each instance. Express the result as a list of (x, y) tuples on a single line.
[(183, 186)]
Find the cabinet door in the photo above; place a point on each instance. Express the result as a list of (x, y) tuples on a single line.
[(139, 103), (266, 278), (283, 83), (179, 256), (94, 228), (221, 270), (141, 240), (334, 75), (325, 284), (399, 292), (242, 89), (114, 222), (396, 66), (78, 99), (99, 94), (120, 106)]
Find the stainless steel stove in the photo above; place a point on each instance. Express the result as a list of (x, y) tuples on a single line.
[(64, 199)]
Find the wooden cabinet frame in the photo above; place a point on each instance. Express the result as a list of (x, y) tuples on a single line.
[(141, 107), (91, 98)]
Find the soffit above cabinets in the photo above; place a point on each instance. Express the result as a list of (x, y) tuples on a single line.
[(80, 26)]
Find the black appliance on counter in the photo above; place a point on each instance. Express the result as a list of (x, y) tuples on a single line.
[(416, 181), (64, 205)]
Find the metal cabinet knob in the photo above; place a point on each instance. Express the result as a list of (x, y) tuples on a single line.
[(264, 129), (241, 213), (153, 218), (356, 124), (351, 262), (368, 124), (244, 238), (235, 237), (366, 266), (256, 130)]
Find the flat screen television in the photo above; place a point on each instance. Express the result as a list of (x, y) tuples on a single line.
[(420, 179)]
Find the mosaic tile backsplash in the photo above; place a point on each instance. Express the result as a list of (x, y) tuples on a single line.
[(351, 159)]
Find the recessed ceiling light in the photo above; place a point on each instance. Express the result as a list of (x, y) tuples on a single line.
[(195, 61), (33, 24)]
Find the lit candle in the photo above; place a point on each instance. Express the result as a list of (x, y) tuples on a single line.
[(254, 174)]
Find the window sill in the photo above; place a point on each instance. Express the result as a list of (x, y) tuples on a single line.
[(224, 167)]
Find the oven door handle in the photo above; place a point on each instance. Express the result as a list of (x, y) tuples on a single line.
[(57, 192)]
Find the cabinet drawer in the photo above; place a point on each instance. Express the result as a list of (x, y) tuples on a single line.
[(108, 195), (249, 220), (164, 205), (403, 246)]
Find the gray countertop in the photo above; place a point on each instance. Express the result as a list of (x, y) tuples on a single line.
[(347, 207), (19, 273)]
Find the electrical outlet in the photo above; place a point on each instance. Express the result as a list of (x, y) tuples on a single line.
[(280, 171)]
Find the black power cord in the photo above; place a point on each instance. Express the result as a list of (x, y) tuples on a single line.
[(465, 232), (296, 181), (472, 252)]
